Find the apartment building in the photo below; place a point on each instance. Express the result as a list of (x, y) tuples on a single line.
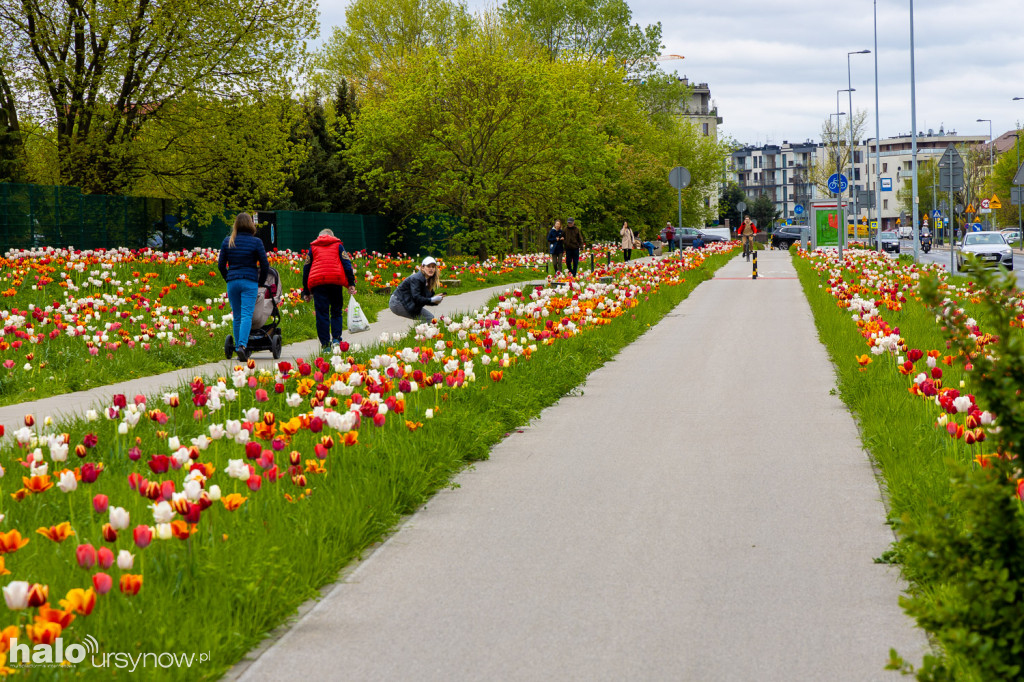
[(701, 109), (897, 167), (780, 171)]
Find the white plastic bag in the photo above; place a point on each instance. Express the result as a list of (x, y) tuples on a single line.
[(356, 320)]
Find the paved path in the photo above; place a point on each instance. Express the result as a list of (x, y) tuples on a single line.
[(70, 404), (702, 511)]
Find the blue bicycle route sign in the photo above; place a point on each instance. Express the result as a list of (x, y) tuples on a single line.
[(837, 183), (798, 209)]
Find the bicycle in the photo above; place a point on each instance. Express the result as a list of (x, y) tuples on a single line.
[(747, 247)]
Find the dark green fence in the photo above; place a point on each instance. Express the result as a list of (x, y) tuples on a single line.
[(33, 216)]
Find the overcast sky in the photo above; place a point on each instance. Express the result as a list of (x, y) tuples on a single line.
[(774, 66)]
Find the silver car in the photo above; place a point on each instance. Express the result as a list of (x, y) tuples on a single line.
[(1012, 235), (990, 248)]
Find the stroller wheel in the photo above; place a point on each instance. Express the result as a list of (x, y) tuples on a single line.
[(229, 347), (275, 345)]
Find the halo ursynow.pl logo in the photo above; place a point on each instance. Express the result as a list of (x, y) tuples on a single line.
[(56, 653)]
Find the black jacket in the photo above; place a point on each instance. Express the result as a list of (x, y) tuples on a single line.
[(413, 293), (556, 238)]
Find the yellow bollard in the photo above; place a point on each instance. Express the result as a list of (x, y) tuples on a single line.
[(755, 265)]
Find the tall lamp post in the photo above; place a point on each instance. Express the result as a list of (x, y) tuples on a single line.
[(853, 172), (915, 235), (841, 222), (989, 121), (878, 154)]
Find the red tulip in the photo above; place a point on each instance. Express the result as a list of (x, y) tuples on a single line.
[(316, 425), (167, 490), (86, 555), (261, 395), (100, 503), (253, 449), (135, 480), (321, 451), (159, 464), (142, 536), (90, 472), (192, 514), (90, 440), (102, 582), (254, 482), (134, 454), (279, 387), (109, 534), (378, 419)]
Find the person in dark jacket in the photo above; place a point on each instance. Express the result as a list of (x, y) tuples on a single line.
[(325, 276), (416, 292), (556, 244), (573, 244), (244, 266)]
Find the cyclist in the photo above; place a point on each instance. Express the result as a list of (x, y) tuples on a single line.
[(746, 233)]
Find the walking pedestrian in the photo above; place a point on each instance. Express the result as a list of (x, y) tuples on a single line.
[(325, 276), (556, 244), (627, 242), (244, 266), (573, 244), (416, 292)]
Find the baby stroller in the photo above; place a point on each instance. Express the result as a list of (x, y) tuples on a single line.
[(265, 333)]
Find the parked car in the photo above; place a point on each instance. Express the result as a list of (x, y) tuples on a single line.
[(1011, 235), (685, 236), (906, 231), (785, 237), (990, 248), (890, 242)]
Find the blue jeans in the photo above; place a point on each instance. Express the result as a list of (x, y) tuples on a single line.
[(242, 297), (650, 248), (328, 303)]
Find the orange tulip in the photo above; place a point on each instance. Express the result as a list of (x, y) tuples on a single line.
[(351, 437), (495, 375), (49, 615), (58, 533), (44, 633), (233, 501), (37, 484), (6, 635), (11, 541), (182, 530), (314, 466), (863, 360), (130, 584), (79, 601)]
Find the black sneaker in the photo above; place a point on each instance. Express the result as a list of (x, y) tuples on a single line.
[(243, 353)]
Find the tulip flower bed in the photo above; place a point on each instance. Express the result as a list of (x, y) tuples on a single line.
[(76, 320), (194, 521), (935, 426)]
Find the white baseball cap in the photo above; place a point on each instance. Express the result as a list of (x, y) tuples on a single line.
[(429, 260)]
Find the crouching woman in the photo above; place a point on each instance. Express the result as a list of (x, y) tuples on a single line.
[(416, 292)]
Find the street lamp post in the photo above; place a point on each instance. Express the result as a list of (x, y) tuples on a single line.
[(853, 171), (839, 195), (878, 154), (913, 142), (988, 218)]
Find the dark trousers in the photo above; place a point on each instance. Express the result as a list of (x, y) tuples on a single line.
[(556, 258), (572, 260), (626, 253), (328, 302)]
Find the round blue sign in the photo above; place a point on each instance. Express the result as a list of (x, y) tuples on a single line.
[(837, 183), (798, 209)]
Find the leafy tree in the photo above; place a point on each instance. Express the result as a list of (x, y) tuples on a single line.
[(975, 163), (590, 29), (377, 39), (836, 140), (491, 134), (727, 201), (101, 74), (763, 213)]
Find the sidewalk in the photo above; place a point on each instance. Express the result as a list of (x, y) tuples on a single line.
[(701, 511), (70, 404)]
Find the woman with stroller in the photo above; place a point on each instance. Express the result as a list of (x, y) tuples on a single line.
[(244, 266), (416, 292), (325, 276)]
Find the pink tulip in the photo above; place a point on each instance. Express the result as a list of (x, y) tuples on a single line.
[(104, 557), (102, 582), (261, 396), (100, 503), (143, 535)]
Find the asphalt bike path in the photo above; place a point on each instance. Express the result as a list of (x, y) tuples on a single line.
[(701, 509), (76, 404)]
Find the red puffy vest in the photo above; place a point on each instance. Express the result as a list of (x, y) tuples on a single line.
[(326, 267)]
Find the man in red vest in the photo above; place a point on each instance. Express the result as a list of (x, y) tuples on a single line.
[(326, 275)]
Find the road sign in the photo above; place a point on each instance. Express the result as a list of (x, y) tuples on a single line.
[(798, 209), (679, 177), (1018, 179), (741, 207), (975, 227), (951, 168), (936, 213), (886, 184), (994, 202), (1015, 196), (874, 224), (837, 183), (970, 208)]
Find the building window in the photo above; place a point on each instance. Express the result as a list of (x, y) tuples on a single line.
[(885, 167), (705, 129), (885, 204)]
